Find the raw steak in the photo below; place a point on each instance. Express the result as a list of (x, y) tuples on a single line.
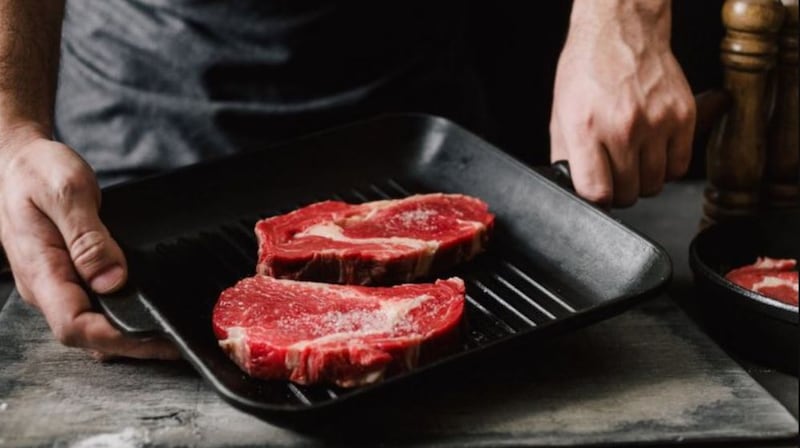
[(770, 277), (382, 242), (348, 335)]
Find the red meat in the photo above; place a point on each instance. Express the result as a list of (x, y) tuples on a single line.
[(382, 242), (320, 333), (770, 277)]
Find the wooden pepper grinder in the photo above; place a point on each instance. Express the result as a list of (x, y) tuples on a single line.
[(737, 148), (782, 175)]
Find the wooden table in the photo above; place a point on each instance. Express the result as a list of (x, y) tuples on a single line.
[(647, 376)]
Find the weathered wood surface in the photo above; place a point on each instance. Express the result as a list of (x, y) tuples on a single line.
[(671, 220), (647, 375)]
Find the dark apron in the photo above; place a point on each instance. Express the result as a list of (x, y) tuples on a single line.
[(150, 85)]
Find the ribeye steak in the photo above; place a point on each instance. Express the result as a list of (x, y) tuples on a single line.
[(770, 277), (321, 333), (382, 242)]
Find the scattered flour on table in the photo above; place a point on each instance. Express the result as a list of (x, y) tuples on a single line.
[(127, 438)]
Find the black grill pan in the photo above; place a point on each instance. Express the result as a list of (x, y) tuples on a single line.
[(555, 262)]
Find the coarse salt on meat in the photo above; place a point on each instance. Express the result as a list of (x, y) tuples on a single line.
[(381, 242), (321, 333)]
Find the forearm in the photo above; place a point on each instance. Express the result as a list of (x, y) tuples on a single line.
[(637, 23), (30, 34)]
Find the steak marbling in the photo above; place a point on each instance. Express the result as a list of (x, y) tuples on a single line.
[(320, 333), (381, 242), (771, 277)]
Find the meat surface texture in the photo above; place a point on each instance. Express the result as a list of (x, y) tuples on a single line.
[(382, 242), (770, 277), (320, 333)]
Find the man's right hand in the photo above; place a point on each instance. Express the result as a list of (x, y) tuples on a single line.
[(55, 242)]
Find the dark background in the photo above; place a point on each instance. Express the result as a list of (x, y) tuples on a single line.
[(515, 49)]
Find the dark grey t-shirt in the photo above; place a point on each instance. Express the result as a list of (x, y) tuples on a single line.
[(147, 85)]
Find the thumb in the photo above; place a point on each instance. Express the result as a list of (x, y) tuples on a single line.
[(97, 258)]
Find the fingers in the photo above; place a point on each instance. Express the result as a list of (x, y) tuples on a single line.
[(48, 195), (96, 256), (94, 331), (155, 348), (79, 326), (591, 174), (558, 148), (652, 166), (624, 161), (72, 202), (588, 161), (42, 270), (615, 176), (679, 149), (641, 153)]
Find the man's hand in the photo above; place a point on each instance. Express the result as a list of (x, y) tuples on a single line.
[(623, 114), (55, 241), (49, 226)]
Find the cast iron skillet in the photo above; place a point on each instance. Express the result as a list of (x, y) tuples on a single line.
[(755, 326)]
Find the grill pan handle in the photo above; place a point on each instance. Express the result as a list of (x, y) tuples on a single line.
[(129, 312), (560, 174)]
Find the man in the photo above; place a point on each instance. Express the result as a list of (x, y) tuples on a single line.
[(146, 85)]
